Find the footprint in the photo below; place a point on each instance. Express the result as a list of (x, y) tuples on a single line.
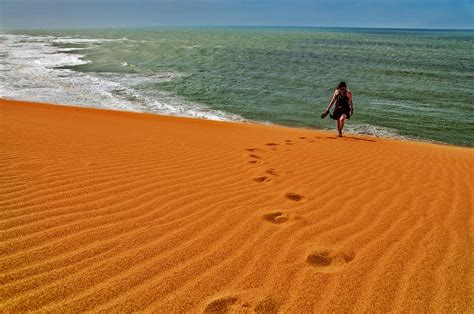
[(253, 149), (276, 217), (254, 156), (272, 144), (272, 172), (319, 259), (328, 261), (267, 306), (302, 137), (348, 256), (252, 161), (262, 179), (220, 305), (294, 197)]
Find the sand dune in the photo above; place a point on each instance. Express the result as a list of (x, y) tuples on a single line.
[(113, 211)]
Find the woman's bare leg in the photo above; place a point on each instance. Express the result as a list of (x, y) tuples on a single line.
[(340, 124)]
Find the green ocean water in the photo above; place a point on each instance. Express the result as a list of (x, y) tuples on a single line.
[(417, 84)]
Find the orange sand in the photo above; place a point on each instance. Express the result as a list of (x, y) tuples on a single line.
[(114, 211)]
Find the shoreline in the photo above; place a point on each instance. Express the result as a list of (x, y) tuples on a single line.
[(246, 121), (114, 211)]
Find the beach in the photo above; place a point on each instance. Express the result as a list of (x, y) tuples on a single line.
[(117, 211)]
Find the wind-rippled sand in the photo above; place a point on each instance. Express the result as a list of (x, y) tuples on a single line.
[(113, 211)]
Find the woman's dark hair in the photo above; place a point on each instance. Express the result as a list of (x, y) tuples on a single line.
[(341, 84)]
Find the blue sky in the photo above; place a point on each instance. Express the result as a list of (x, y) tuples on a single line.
[(326, 13)]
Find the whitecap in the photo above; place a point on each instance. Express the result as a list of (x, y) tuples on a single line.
[(69, 40)]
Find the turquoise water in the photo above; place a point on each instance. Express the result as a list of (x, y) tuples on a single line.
[(407, 83)]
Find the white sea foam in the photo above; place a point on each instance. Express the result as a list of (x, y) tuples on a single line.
[(70, 49), (69, 40), (365, 129), (31, 69)]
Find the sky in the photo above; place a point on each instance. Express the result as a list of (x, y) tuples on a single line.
[(437, 14)]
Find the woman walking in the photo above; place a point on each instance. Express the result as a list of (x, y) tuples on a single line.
[(344, 106)]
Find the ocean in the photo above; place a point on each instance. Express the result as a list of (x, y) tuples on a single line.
[(411, 84)]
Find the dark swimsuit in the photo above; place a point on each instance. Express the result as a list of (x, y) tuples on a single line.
[(342, 107)]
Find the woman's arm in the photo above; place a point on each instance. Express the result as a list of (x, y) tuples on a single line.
[(332, 100), (350, 102)]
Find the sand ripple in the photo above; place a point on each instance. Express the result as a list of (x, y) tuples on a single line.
[(110, 211)]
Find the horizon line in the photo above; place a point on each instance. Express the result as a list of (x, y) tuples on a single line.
[(234, 26)]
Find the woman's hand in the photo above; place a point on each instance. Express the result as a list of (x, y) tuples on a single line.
[(325, 113)]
